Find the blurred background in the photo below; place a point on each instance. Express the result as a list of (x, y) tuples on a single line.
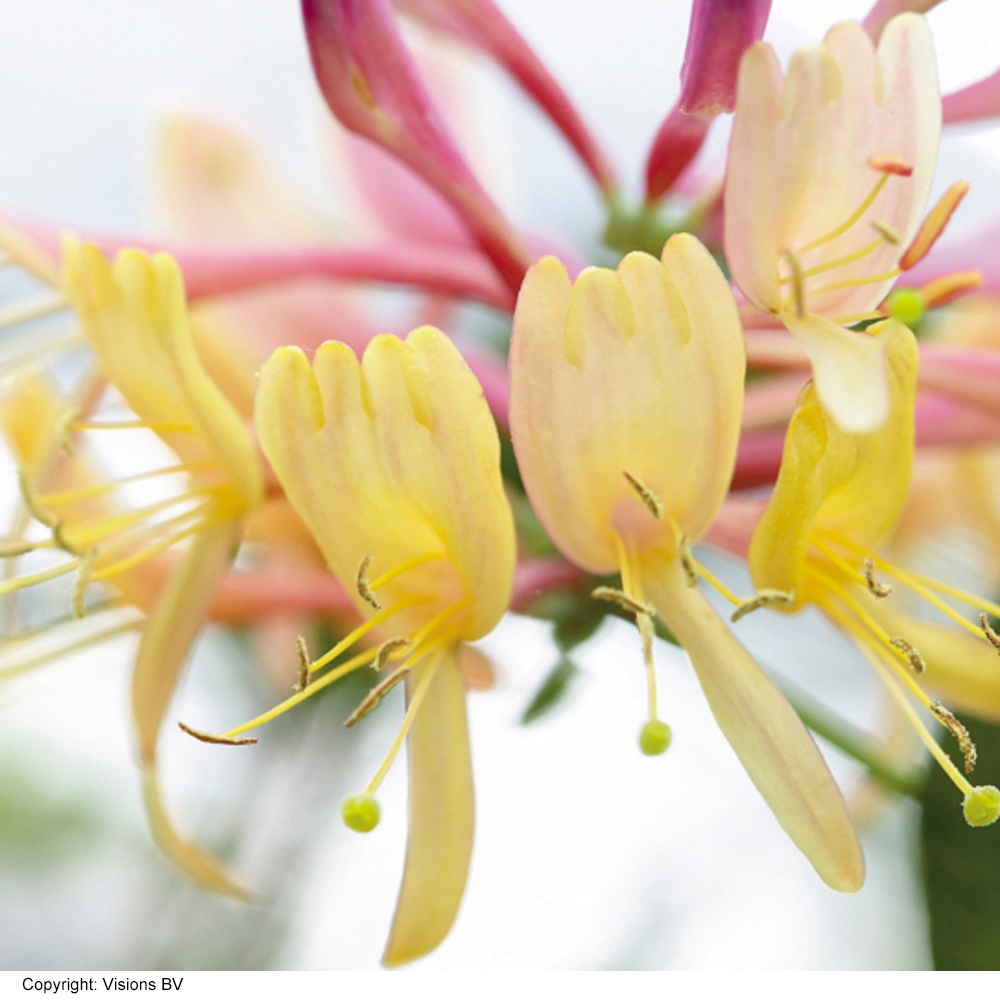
[(588, 855)]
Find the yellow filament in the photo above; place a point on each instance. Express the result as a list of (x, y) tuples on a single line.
[(851, 219), (405, 566), (858, 318), (137, 558), (362, 659), (839, 561), (100, 489), (9, 586), (352, 637), (411, 713), (420, 637), (25, 312), (632, 586), (853, 282), (838, 262), (713, 581), (932, 744), (874, 627), (159, 427)]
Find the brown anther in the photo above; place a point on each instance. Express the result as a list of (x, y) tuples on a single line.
[(887, 163), (933, 225), (688, 562), (361, 584), (763, 599), (645, 494), (305, 662), (875, 588), (386, 650), (798, 283), (887, 231), (229, 741), (960, 733), (375, 696), (623, 600), (991, 636), (941, 290), (82, 579), (917, 662)]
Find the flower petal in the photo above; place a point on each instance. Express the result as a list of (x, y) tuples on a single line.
[(848, 369), (771, 742), (442, 818), (166, 642)]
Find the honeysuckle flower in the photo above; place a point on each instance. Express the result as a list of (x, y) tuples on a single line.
[(394, 465), (626, 391), (133, 317), (838, 495), (828, 175), (720, 31), (369, 81)]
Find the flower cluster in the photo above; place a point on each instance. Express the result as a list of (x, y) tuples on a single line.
[(410, 491)]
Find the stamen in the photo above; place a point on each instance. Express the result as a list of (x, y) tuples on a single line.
[(688, 562), (374, 697), (853, 318), (830, 264), (81, 581), (229, 741), (144, 554), (854, 282), (960, 733), (933, 226), (12, 547), (39, 513), (889, 163), (991, 636), (875, 588), (765, 598), (100, 489), (36, 308), (158, 427), (911, 653), (302, 682), (411, 713), (60, 539), (645, 494), (20, 583), (887, 231), (386, 650), (623, 600), (404, 567), (361, 583), (941, 290), (860, 210), (361, 660), (63, 429), (798, 285)]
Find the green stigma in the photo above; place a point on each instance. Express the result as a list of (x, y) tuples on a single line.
[(982, 806), (907, 305), (655, 737), (360, 813)]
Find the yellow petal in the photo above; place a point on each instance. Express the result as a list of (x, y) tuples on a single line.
[(166, 641), (852, 484), (771, 742), (134, 315), (638, 371), (848, 370), (442, 817), (396, 457)]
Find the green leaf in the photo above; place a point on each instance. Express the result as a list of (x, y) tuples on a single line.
[(962, 866), (554, 689)]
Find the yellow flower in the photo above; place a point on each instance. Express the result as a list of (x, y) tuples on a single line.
[(838, 495), (133, 316), (829, 172), (626, 392), (394, 465)]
